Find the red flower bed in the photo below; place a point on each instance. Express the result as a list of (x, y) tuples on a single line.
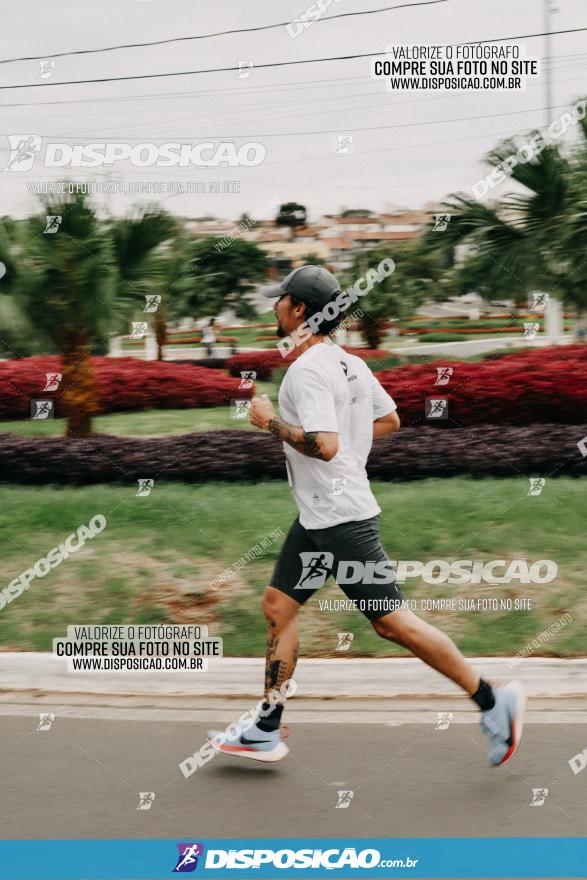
[(123, 384), (264, 362), (539, 385)]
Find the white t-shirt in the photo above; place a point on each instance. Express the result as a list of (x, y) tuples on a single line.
[(327, 389)]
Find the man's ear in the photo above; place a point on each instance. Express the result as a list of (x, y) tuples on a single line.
[(304, 309)]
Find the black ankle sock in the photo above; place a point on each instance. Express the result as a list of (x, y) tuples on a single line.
[(483, 696), (272, 720)]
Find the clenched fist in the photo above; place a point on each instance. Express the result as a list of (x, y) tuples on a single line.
[(261, 412)]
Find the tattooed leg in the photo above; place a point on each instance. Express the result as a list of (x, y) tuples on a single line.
[(281, 655), (281, 613)]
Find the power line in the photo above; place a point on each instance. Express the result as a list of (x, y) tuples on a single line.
[(330, 82), (240, 136), (77, 82), (334, 81), (547, 9), (263, 103), (264, 27), (358, 155), (339, 109), (247, 110), (494, 136)]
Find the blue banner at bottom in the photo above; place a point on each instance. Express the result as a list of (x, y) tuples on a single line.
[(545, 857)]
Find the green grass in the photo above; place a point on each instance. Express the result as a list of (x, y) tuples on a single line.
[(152, 422), (246, 336), (463, 337), (245, 340), (468, 324), (158, 554)]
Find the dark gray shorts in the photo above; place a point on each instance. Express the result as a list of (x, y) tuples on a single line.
[(350, 552)]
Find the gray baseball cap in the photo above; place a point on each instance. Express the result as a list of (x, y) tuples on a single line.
[(312, 285)]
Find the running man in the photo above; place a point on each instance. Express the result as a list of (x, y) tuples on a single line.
[(331, 408)]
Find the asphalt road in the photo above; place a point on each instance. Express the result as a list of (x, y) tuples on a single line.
[(82, 778)]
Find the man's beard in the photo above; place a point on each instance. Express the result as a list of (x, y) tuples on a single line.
[(280, 331)]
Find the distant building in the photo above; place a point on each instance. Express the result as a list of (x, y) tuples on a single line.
[(335, 239)]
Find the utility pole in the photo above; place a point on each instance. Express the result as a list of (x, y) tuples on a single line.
[(548, 8)]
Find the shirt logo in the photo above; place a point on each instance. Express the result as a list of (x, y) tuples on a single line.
[(345, 368)]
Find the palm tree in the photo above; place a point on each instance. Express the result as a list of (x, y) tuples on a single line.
[(64, 283), (18, 335), (140, 270), (529, 240), (71, 284)]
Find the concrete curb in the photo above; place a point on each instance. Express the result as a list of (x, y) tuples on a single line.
[(233, 677)]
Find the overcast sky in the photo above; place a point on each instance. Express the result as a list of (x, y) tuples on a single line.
[(422, 159)]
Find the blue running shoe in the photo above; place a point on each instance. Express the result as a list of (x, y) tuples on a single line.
[(505, 722), (257, 744)]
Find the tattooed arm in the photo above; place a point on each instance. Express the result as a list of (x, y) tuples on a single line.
[(315, 444)]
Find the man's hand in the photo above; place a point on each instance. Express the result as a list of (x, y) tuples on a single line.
[(261, 412)]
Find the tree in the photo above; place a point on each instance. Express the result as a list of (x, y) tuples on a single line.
[(245, 220), (416, 277), (169, 272), (70, 285), (65, 287), (529, 240), (18, 335), (141, 273), (312, 259), (222, 277), (291, 214)]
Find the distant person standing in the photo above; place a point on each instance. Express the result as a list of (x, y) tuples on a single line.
[(209, 337)]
